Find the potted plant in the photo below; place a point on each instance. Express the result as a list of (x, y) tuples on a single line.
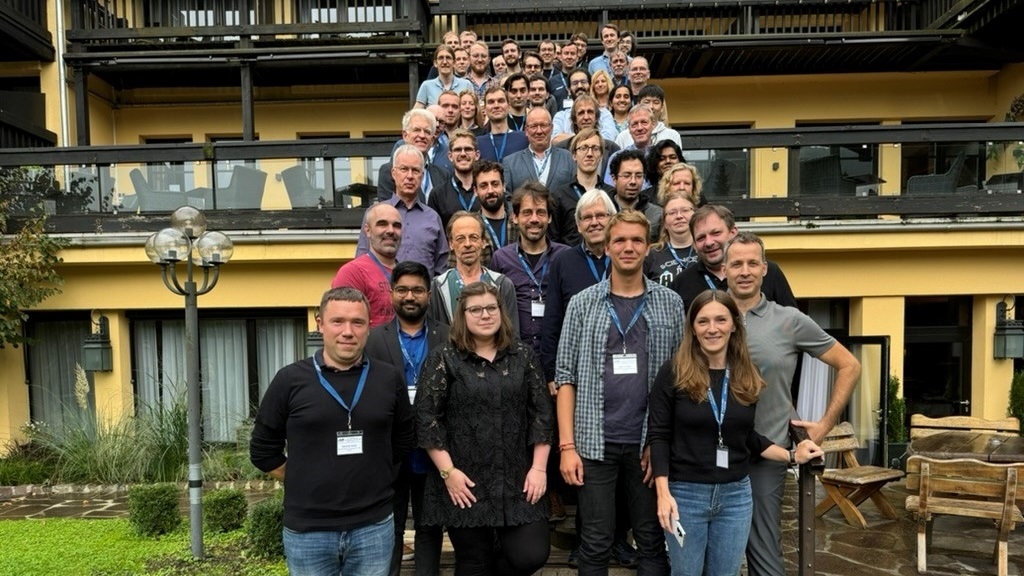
[(896, 424)]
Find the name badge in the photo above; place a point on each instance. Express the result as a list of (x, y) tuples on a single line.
[(567, 103), (722, 457), (412, 394), (350, 443), (537, 309), (624, 364)]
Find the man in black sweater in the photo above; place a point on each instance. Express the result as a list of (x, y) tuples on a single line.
[(346, 423)]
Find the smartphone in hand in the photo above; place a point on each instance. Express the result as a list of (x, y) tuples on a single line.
[(679, 533)]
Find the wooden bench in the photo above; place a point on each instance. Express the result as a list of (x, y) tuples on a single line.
[(921, 425), (965, 487), (851, 483)]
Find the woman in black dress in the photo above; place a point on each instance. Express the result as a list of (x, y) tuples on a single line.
[(484, 415)]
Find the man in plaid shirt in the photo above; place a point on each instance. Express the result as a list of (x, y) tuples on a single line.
[(616, 336)]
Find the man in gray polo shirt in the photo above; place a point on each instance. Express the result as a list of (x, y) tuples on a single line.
[(777, 336)]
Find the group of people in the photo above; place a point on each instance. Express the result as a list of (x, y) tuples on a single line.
[(570, 317)]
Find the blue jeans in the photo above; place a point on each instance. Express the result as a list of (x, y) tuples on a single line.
[(716, 518), (364, 551), (620, 465)]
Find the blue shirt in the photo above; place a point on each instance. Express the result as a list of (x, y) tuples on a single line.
[(562, 124), (414, 352), (430, 90), (423, 238)]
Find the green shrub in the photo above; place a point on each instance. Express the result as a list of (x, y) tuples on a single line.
[(897, 415), (1017, 397), (264, 526), (224, 510), (153, 508), (18, 471), (227, 464)]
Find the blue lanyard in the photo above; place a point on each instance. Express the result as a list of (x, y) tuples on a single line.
[(675, 256), (498, 241), (578, 190), (410, 365), (383, 269), (709, 282), (543, 164), (512, 123), (334, 393), (458, 194), (719, 416), (561, 76), (593, 267), (529, 272), (426, 182), (632, 321), (499, 152)]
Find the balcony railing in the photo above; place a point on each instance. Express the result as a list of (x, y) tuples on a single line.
[(33, 10), (934, 170)]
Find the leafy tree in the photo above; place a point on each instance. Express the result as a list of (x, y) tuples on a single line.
[(28, 256)]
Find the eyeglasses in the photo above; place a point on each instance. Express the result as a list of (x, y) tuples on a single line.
[(579, 83), (404, 291), (478, 311), (678, 212), (543, 126), (466, 150), (588, 149), (600, 216)]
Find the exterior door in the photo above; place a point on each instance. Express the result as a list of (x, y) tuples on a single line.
[(937, 357)]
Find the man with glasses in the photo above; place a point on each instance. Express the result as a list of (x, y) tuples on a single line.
[(548, 51), (616, 336), (627, 169), (466, 236), (444, 60), (550, 166), (371, 272), (420, 130), (479, 67), (639, 75), (405, 344), (588, 153), (456, 193)]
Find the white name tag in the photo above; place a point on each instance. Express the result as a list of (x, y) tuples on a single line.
[(624, 364), (412, 394), (350, 443), (567, 103), (537, 309), (722, 458)]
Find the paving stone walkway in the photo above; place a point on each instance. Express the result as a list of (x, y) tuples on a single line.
[(886, 548)]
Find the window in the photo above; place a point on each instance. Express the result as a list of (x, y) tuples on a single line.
[(836, 170), (962, 162), (224, 169), (725, 171), (53, 357), (238, 358)]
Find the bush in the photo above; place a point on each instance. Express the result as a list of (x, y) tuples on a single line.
[(264, 527), (897, 415), (153, 508), (224, 510), (18, 471), (1017, 397)]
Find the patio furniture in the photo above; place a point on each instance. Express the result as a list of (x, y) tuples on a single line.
[(1006, 183), (823, 176), (965, 487), (945, 183), (150, 200), (851, 484), (301, 191), (244, 191), (921, 425)]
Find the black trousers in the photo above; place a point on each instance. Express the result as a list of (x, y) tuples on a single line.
[(427, 543), (523, 549)]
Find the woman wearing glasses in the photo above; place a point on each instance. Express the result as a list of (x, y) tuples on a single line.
[(484, 416), (674, 251)]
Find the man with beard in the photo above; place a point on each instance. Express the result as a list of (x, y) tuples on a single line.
[(405, 344), (371, 272), (585, 113), (423, 240), (711, 227), (568, 56), (489, 185), (620, 68), (419, 129), (466, 236), (494, 140), (510, 51), (627, 170), (457, 192), (479, 66), (526, 262), (517, 88), (539, 96), (587, 151), (552, 167)]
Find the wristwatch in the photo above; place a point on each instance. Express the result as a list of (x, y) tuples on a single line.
[(446, 473)]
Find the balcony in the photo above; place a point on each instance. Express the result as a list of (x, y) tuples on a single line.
[(23, 33), (813, 176)]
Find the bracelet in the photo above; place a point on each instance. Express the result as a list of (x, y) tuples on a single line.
[(562, 447), (538, 470)]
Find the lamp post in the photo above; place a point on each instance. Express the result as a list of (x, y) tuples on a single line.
[(188, 241)]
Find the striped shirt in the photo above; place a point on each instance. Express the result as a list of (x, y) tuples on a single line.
[(582, 348)]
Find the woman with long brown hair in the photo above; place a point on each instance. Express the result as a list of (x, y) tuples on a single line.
[(701, 432), (484, 415)]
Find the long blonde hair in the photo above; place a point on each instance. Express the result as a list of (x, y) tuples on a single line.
[(690, 364), (666, 181)]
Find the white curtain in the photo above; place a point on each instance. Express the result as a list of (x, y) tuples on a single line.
[(815, 388), (160, 362), (225, 369), (279, 342), (53, 354)]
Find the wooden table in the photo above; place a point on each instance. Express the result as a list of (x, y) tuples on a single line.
[(985, 446)]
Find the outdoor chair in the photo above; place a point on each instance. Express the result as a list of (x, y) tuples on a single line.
[(301, 191), (823, 176), (921, 425), (945, 183), (965, 487), (244, 191), (851, 484), (150, 200)]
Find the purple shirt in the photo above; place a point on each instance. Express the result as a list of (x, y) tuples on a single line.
[(423, 238), (507, 261)]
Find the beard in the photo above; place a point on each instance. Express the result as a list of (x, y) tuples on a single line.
[(411, 311)]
